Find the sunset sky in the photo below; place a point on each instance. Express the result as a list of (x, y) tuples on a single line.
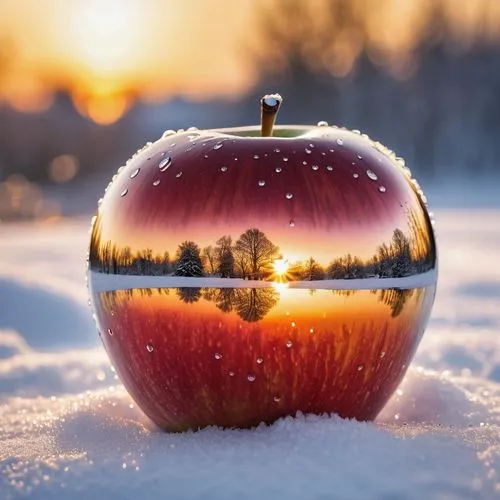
[(107, 52)]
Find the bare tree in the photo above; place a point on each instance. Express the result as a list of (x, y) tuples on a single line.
[(225, 257), (254, 251), (209, 256), (312, 270)]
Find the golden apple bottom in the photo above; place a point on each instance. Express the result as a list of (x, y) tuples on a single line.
[(234, 357)]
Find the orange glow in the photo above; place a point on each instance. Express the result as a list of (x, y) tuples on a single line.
[(293, 245), (187, 355), (102, 108), (158, 49)]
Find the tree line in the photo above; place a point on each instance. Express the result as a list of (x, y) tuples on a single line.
[(253, 256)]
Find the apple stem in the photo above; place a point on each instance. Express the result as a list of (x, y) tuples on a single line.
[(269, 106)]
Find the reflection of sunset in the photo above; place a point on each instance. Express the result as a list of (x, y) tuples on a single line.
[(299, 309), (336, 217), (268, 352)]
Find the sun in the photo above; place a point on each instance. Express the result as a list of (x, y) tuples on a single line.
[(105, 41), (106, 35), (280, 267)]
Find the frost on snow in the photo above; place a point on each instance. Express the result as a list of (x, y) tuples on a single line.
[(69, 430)]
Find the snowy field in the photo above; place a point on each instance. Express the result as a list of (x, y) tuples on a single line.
[(69, 430)]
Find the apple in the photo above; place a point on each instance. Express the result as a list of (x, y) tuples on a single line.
[(241, 275)]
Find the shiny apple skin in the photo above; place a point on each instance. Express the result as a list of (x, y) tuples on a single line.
[(327, 194)]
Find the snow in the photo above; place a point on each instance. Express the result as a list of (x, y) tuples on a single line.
[(108, 282), (69, 430)]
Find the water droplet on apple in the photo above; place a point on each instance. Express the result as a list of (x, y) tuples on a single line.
[(311, 330), (292, 223), (340, 141), (372, 175), (99, 202), (355, 131), (156, 182), (277, 169), (256, 157), (218, 146), (231, 374), (110, 332), (288, 196), (192, 129), (329, 168), (223, 168), (168, 133), (165, 163), (355, 175), (289, 344), (135, 173), (260, 361), (277, 150), (262, 183), (315, 167), (250, 377), (381, 189), (285, 158), (382, 354), (178, 174), (308, 151), (150, 347), (173, 145), (277, 399), (218, 355), (360, 368), (124, 192), (359, 157), (322, 123)]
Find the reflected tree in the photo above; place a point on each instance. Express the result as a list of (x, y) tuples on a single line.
[(252, 304), (189, 295), (395, 298)]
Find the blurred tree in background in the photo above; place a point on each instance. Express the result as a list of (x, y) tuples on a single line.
[(432, 95)]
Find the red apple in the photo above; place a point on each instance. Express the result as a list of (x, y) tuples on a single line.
[(238, 279)]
